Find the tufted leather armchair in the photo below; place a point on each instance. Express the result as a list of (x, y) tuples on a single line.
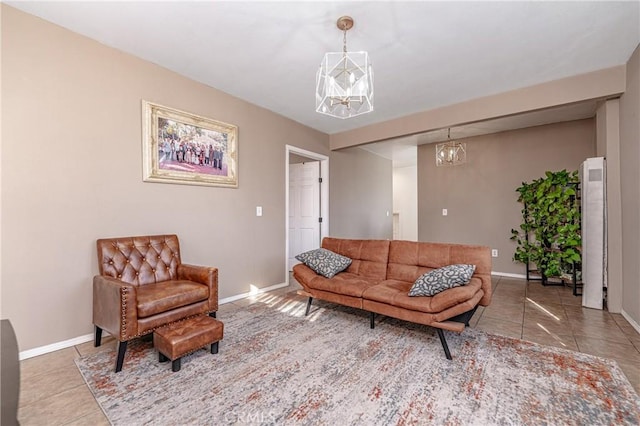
[(143, 285)]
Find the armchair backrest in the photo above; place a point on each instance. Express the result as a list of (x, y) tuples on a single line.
[(139, 260)]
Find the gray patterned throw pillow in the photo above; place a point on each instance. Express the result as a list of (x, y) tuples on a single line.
[(442, 279), (324, 262)]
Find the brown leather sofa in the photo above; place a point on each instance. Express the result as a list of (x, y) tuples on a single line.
[(382, 273), (143, 285)]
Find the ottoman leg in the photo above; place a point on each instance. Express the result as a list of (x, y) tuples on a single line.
[(175, 365), (162, 358), (214, 348)]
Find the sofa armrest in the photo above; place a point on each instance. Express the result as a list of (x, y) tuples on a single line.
[(303, 275), (487, 288), (114, 307), (204, 275)]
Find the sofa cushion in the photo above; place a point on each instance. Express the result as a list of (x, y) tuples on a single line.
[(163, 296), (324, 262), (344, 283), (395, 293), (369, 257), (441, 279)]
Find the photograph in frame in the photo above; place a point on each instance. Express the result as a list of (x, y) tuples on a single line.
[(185, 148)]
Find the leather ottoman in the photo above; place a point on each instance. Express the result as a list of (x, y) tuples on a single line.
[(181, 338)]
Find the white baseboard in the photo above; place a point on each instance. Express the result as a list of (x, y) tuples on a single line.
[(41, 350), (509, 275), (631, 320), (30, 353), (251, 293)]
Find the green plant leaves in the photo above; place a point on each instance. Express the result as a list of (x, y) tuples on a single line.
[(549, 235)]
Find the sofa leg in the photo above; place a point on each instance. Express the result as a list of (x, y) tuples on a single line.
[(372, 320), (212, 314), (122, 348), (308, 306), (444, 343), (98, 337)]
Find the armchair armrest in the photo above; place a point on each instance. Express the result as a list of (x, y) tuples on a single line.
[(203, 275), (114, 307)]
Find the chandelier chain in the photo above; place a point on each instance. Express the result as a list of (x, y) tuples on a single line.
[(344, 41)]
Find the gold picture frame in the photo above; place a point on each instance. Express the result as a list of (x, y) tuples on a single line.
[(184, 148)]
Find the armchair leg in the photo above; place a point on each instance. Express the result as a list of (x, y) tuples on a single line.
[(372, 321), (308, 306), (98, 337), (122, 348), (444, 343), (212, 314)]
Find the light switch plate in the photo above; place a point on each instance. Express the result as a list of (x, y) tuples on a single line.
[(259, 211), (444, 212)]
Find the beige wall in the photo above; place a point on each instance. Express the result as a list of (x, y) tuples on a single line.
[(360, 200), (1, 313), (630, 188), (608, 146), (72, 172), (601, 84), (481, 197), (297, 159), (405, 200), (601, 129)]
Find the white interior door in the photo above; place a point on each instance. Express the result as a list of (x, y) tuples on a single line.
[(304, 209)]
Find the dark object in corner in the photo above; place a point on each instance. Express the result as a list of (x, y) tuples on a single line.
[(10, 373)]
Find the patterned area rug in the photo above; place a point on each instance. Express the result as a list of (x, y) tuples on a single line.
[(276, 366)]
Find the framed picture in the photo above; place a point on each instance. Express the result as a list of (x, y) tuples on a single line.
[(184, 148)]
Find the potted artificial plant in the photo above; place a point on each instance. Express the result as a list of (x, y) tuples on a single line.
[(549, 235)]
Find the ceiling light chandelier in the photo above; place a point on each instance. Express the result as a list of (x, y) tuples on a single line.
[(451, 153), (344, 82)]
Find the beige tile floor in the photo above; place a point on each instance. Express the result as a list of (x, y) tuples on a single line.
[(52, 392)]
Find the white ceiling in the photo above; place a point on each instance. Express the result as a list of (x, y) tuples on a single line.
[(424, 54)]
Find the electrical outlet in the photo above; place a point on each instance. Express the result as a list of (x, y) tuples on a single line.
[(259, 211), (494, 253), (444, 212)]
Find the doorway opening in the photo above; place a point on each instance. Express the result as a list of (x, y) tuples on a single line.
[(307, 202)]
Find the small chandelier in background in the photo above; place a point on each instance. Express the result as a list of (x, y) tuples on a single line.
[(451, 153), (344, 82)]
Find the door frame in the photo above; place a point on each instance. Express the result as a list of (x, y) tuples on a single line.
[(324, 197)]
